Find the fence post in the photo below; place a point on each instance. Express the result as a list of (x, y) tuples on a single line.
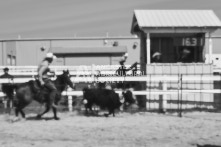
[(149, 92), (5, 103), (92, 70), (164, 96), (70, 101), (178, 96), (181, 93)]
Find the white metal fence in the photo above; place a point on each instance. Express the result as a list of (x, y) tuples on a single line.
[(89, 78)]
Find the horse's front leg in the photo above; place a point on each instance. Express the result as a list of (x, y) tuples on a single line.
[(16, 112), (22, 113), (47, 108)]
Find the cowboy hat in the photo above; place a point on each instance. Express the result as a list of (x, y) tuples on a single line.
[(156, 54), (51, 55), (186, 51)]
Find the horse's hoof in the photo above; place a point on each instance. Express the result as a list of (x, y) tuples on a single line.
[(38, 116), (57, 118), (106, 115), (23, 119), (15, 119)]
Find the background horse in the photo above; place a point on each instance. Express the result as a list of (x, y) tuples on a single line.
[(32, 90)]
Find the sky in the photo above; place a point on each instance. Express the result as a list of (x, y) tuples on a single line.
[(81, 18)]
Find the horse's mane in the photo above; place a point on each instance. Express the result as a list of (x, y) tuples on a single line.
[(59, 82), (59, 79)]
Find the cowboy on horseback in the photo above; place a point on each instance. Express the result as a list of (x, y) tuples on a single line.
[(44, 79)]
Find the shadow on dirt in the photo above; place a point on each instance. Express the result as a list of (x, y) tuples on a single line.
[(34, 118), (208, 145)]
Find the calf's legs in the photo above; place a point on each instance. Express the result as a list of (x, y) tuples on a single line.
[(111, 111)]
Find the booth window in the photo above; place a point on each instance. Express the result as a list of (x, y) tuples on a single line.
[(13, 60), (190, 49), (9, 60), (173, 48)]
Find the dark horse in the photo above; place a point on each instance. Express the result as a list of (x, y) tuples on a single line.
[(31, 90)]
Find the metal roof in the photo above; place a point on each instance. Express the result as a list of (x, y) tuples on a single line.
[(176, 18), (89, 50), (71, 38)]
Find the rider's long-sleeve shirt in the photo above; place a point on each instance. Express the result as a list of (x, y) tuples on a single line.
[(43, 69)]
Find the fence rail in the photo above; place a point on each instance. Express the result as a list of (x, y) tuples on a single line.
[(90, 77), (145, 78), (73, 70)]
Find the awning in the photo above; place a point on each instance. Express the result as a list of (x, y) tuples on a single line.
[(158, 19), (118, 51)]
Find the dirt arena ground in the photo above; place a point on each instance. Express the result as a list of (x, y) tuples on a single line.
[(124, 130)]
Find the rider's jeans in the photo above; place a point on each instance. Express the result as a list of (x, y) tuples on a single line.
[(53, 90)]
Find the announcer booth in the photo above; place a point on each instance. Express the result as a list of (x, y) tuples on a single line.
[(173, 35)]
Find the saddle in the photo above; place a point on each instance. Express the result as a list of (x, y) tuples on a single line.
[(35, 86), (38, 90)]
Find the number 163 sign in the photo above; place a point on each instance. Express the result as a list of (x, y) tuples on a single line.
[(193, 41)]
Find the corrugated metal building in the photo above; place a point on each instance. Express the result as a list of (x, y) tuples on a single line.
[(29, 51), (70, 51)]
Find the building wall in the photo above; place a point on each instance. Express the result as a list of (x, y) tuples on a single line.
[(81, 60), (29, 52), (216, 45), (11, 48), (10, 52), (1, 54), (87, 60), (216, 53), (133, 53)]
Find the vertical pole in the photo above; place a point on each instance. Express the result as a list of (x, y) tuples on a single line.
[(148, 48), (149, 92), (3, 54), (181, 93), (70, 101), (178, 95), (64, 60), (93, 73), (164, 96), (147, 52), (210, 48), (201, 87), (110, 59), (5, 103), (36, 52)]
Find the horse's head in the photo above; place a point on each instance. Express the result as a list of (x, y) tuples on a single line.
[(66, 78)]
